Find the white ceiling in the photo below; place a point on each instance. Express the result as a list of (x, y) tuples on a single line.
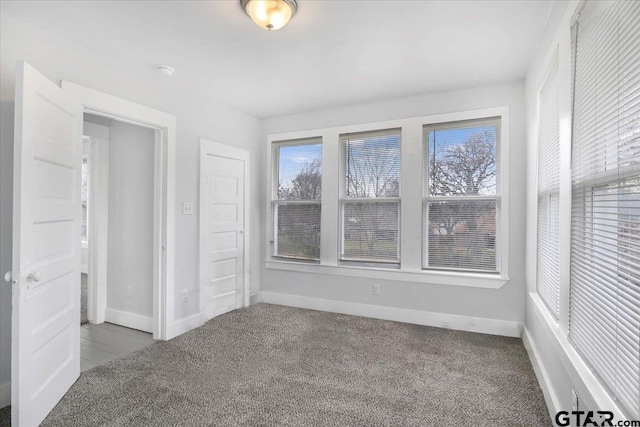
[(332, 53)]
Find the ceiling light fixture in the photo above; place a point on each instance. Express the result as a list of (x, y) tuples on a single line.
[(270, 14)]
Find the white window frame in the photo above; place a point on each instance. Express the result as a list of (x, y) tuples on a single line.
[(411, 182), (344, 199), (426, 198), (560, 51), (274, 180), (564, 177)]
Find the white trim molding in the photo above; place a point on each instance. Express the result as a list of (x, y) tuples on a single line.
[(103, 104), (130, 320), (584, 380), (550, 396), (474, 280), (97, 257), (255, 298), (410, 269), (417, 317), (164, 125), (187, 324)]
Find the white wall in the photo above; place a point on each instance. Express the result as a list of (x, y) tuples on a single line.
[(504, 304), (131, 191), (196, 117)]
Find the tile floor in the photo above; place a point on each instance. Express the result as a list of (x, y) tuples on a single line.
[(103, 343)]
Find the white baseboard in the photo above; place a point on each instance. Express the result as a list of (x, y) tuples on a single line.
[(550, 397), (84, 268), (418, 317), (255, 298), (5, 394), (188, 323), (130, 320)]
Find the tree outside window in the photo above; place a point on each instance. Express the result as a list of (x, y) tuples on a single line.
[(461, 205)]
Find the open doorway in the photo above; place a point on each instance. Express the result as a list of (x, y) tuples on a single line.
[(117, 239), (46, 271)]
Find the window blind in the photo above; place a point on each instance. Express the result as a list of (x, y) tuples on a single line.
[(297, 205), (461, 207), (548, 268), (604, 311), (371, 196)]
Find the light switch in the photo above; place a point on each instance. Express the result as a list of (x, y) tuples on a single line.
[(187, 208)]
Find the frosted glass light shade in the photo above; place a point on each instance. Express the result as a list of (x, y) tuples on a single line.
[(270, 14)]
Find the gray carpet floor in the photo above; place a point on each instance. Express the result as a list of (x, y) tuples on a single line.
[(270, 365), (84, 281), (5, 416)]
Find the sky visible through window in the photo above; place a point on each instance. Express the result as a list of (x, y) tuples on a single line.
[(295, 159), (298, 158)]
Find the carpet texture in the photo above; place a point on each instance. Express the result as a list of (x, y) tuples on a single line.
[(270, 365), (84, 281), (5, 416)]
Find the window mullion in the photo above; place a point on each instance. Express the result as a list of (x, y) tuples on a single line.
[(411, 198), (564, 184), (461, 197), (330, 213)]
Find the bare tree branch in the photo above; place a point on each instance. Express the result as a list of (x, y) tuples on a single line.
[(307, 185), (464, 169)]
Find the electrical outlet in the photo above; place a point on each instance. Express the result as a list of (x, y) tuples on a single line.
[(376, 289), (129, 291), (574, 400), (187, 208), (185, 295)]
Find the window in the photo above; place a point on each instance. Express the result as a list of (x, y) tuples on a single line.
[(604, 305), (548, 267), (370, 201), (382, 185), (297, 203), (84, 199), (461, 206)]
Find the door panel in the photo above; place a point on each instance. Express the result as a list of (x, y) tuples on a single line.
[(223, 252), (46, 247)]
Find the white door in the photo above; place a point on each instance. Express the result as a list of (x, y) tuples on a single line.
[(46, 246), (222, 219)]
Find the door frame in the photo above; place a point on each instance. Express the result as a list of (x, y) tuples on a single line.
[(98, 220), (208, 147), (164, 126)]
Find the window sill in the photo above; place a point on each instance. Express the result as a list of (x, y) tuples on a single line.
[(576, 368), (447, 278)]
